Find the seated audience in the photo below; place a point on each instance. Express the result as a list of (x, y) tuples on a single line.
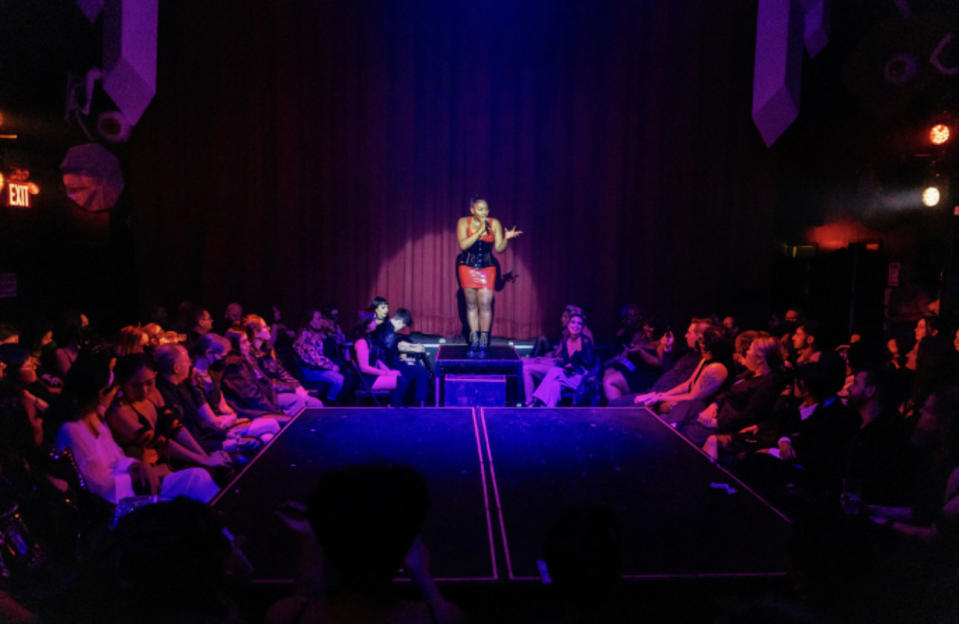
[(934, 512), (577, 360), (107, 471), (536, 366), (363, 525), (146, 429), (290, 393), (73, 331), (131, 339), (251, 393), (806, 343), (812, 437), (391, 344), (709, 377), (200, 323), (680, 369), (639, 363), (746, 403), (310, 347), (209, 362), (874, 464), (371, 367), (232, 317), (163, 563)]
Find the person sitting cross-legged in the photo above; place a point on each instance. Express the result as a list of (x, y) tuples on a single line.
[(577, 361)]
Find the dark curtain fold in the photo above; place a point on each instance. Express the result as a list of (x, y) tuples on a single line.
[(301, 152)]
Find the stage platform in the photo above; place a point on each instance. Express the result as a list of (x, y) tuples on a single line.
[(500, 477), (501, 360)]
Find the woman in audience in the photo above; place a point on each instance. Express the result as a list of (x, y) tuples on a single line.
[(375, 374), (577, 361), (209, 360), (88, 390), (145, 429), (709, 377), (292, 396), (748, 402), (131, 339), (636, 368), (21, 372)]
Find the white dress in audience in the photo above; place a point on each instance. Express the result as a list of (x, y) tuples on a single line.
[(107, 470)]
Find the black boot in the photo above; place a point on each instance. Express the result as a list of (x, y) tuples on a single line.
[(483, 344), (474, 345)]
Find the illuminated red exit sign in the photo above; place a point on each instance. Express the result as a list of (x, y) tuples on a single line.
[(18, 191)]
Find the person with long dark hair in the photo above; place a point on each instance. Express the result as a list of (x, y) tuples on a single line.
[(478, 235)]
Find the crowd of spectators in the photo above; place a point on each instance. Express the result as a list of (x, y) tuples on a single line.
[(863, 430)]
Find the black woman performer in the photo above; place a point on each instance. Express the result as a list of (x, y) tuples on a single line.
[(478, 236)]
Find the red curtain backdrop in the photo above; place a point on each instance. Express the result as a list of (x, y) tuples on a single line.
[(304, 152)]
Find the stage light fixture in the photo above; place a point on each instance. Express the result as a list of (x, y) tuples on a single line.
[(930, 196), (939, 134)]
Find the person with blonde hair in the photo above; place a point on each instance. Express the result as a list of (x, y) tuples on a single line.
[(748, 402)]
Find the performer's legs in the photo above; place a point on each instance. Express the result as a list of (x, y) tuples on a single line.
[(485, 299), (472, 310)]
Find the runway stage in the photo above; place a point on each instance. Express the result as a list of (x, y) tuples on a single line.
[(500, 477)]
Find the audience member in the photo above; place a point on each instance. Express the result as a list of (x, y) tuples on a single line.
[(391, 344), (371, 367), (110, 474), (290, 393), (639, 363), (146, 429), (746, 403), (310, 347), (364, 522), (544, 355), (576, 363), (709, 377), (73, 331)]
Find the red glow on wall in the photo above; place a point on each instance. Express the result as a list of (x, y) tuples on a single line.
[(833, 236)]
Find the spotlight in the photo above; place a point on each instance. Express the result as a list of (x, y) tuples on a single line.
[(930, 196), (939, 134)]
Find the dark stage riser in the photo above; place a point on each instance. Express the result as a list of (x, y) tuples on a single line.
[(499, 478), (501, 361)]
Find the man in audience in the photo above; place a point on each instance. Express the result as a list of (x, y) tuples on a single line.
[(392, 344), (681, 370), (232, 317), (201, 323), (247, 390), (805, 343), (173, 375), (874, 465), (310, 347)]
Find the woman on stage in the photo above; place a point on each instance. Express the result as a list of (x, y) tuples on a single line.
[(478, 235)]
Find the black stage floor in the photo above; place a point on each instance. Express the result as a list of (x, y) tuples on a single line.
[(499, 477)]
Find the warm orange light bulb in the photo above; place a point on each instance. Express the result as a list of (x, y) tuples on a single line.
[(939, 134)]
